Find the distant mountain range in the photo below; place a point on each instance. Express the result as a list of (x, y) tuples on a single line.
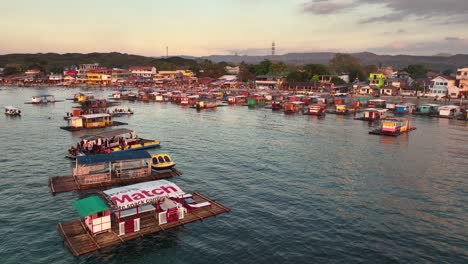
[(438, 62), (54, 61)]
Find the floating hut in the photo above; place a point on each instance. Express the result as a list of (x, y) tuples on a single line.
[(393, 127), (372, 114), (90, 121), (126, 213), (116, 168)]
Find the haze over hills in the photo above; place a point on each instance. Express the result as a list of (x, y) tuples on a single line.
[(439, 62)]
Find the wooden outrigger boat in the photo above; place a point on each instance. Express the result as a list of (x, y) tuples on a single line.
[(115, 140), (393, 127), (372, 114), (162, 162), (77, 123), (315, 109), (12, 111), (116, 168), (43, 99), (126, 213), (121, 112)]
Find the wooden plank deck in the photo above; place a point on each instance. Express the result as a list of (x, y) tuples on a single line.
[(62, 184), (79, 241)]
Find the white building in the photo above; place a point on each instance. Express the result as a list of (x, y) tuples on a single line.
[(143, 71), (232, 70), (442, 86), (55, 77)]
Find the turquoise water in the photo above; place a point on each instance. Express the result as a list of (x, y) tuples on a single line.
[(301, 189)]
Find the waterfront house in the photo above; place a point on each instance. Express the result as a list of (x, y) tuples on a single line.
[(462, 81), (441, 86)]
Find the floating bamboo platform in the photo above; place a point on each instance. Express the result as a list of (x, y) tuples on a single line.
[(382, 133), (61, 184), (114, 123), (80, 241)]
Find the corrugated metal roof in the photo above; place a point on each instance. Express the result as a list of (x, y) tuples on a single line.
[(113, 156), (90, 206)]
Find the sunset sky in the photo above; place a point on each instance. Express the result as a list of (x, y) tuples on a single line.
[(207, 27)]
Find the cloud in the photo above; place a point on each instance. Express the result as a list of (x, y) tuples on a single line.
[(436, 11), (446, 45), (399, 31), (454, 39), (327, 6)]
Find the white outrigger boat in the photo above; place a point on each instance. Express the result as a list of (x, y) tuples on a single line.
[(43, 99), (12, 111)]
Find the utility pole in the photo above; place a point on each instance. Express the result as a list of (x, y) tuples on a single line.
[(167, 52), (273, 48)]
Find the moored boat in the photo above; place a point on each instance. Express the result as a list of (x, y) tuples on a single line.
[(427, 109), (293, 107), (12, 111), (315, 109), (162, 162), (115, 140), (43, 99)]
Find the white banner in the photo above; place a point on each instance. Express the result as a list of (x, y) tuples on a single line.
[(127, 197)]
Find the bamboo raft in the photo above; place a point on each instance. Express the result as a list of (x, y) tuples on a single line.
[(80, 241), (61, 184)]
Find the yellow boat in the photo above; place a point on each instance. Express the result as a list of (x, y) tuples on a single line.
[(142, 144), (162, 162)]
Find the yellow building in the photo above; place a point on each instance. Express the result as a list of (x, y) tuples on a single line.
[(98, 78)]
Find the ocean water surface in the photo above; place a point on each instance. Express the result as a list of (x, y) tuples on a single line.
[(301, 189)]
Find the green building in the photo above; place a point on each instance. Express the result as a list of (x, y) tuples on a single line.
[(377, 79)]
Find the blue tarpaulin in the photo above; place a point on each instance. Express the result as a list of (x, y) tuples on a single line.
[(113, 156)]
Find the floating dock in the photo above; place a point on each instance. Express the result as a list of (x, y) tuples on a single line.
[(61, 184), (384, 133), (80, 241)]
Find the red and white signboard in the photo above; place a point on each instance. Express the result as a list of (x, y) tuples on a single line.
[(142, 193)]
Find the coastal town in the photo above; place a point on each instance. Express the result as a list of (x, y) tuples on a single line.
[(312, 131), (384, 81)]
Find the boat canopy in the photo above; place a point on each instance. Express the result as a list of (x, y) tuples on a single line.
[(95, 116), (375, 110), (112, 157), (144, 193), (90, 206), (9, 107), (449, 107), (109, 134)]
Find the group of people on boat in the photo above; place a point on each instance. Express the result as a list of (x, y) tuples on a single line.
[(102, 145), (12, 111), (120, 110)]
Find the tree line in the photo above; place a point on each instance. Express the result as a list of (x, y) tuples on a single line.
[(338, 65)]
